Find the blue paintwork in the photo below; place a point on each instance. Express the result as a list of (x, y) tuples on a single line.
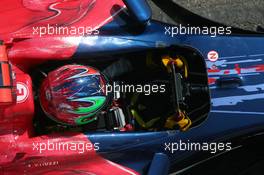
[(235, 111), (159, 165), (140, 10)]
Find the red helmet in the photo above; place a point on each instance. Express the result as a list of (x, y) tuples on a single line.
[(73, 94)]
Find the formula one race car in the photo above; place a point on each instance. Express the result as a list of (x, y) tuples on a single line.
[(87, 86)]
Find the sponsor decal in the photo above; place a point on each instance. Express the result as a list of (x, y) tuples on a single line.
[(22, 92), (213, 56)]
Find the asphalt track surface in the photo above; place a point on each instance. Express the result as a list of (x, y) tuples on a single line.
[(241, 14)]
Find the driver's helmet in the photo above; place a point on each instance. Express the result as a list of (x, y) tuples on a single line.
[(74, 94)]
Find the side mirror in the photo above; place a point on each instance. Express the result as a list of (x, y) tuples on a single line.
[(159, 165), (139, 9)]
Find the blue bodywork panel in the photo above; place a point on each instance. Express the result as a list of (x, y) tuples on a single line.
[(236, 109)]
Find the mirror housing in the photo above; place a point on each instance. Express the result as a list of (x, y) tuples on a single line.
[(140, 10), (159, 165)]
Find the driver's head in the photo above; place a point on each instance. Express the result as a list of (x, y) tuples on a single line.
[(73, 94)]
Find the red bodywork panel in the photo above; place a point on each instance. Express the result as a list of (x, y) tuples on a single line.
[(19, 153), (27, 158), (21, 18)]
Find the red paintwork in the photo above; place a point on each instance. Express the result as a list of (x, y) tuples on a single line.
[(18, 117), (211, 81), (226, 72), (213, 70), (259, 68), (25, 159), (6, 89), (237, 70), (17, 155), (20, 16), (37, 51)]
